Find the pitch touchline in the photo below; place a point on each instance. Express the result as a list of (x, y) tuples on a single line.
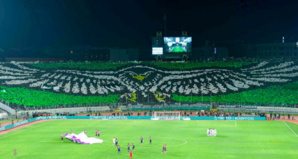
[(291, 129), (93, 123), (241, 143)]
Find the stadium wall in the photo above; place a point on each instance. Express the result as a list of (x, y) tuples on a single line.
[(117, 54), (260, 109)]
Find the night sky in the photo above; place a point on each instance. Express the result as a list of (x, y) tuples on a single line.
[(131, 23)]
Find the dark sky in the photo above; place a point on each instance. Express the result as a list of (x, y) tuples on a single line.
[(131, 23)]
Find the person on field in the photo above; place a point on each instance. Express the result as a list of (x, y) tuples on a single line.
[(130, 154), (62, 137), (128, 147), (114, 141), (119, 151), (164, 149), (15, 152), (133, 146), (141, 140)]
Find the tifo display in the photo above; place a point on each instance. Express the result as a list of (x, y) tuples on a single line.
[(265, 83)]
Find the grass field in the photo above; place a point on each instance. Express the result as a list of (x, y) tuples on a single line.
[(184, 139)]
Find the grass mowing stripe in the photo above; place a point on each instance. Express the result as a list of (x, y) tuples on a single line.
[(291, 129), (29, 128)]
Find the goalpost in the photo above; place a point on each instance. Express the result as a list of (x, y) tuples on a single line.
[(166, 115)]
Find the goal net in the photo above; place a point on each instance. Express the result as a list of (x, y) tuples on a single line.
[(166, 115)]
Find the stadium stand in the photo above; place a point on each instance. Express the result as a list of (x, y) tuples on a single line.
[(60, 85)]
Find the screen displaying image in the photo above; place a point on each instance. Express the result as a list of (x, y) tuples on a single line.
[(177, 44)]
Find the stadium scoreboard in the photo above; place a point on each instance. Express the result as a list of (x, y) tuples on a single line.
[(157, 50), (177, 44), (171, 45)]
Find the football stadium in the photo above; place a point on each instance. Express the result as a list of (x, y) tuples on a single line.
[(73, 86)]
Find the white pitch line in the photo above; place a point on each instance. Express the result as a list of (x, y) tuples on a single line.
[(242, 143), (291, 129), (93, 123), (235, 123)]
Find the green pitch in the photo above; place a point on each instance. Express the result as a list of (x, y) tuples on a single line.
[(177, 49), (184, 139)]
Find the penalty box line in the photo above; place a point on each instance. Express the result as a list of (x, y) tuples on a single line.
[(291, 129)]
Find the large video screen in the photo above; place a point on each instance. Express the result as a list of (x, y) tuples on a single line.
[(177, 44)]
